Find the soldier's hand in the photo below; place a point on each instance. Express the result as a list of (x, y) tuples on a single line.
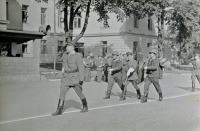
[(81, 82)]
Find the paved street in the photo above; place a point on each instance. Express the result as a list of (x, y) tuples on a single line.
[(27, 107)]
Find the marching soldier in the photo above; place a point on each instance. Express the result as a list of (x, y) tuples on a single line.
[(88, 65), (196, 70), (131, 76), (116, 74), (72, 77), (100, 64), (152, 67)]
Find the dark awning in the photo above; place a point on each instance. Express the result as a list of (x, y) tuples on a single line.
[(19, 36)]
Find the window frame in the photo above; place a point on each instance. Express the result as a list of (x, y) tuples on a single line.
[(149, 23), (43, 16), (136, 22), (26, 10)]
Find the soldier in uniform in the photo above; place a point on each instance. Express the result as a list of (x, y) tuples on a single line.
[(72, 77), (100, 64), (196, 70), (116, 74), (88, 65), (131, 75), (152, 67)]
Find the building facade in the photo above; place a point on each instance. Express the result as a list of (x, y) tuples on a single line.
[(29, 15), (17, 62)]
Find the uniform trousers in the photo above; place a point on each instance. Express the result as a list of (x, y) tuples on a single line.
[(112, 80), (134, 83), (87, 74), (155, 82), (99, 75), (77, 88)]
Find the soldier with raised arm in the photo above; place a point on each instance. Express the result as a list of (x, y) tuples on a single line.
[(73, 75), (152, 75)]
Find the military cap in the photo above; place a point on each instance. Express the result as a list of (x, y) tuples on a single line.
[(115, 53), (129, 53), (153, 51), (71, 43)]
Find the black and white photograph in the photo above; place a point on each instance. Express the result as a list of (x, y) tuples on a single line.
[(99, 65)]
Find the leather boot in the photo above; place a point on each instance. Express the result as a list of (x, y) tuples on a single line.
[(138, 94), (59, 108), (123, 96), (85, 107), (160, 97), (145, 98), (107, 95)]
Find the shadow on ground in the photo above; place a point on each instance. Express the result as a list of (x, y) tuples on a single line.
[(72, 104), (186, 88)]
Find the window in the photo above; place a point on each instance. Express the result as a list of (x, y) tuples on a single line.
[(24, 13), (104, 48), (60, 18), (60, 45), (136, 22), (43, 47), (135, 46), (149, 44), (149, 23), (77, 20), (7, 11), (80, 48), (43, 16)]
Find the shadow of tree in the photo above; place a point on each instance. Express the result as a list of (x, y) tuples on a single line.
[(112, 94), (72, 104), (186, 88)]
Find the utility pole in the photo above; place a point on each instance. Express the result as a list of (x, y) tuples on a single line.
[(54, 47)]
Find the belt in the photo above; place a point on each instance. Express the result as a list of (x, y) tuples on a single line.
[(73, 71)]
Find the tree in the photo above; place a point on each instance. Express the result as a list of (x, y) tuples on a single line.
[(184, 20), (71, 8)]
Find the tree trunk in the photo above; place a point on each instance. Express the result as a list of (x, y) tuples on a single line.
[(85, 23), (71, 21)]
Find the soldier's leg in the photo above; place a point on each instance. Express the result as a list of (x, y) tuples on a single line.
[(61, 101), (78, 90), (146, 89), (134, 83), (99, 76), (193, 82), (124, 92), (155, 82), (109, 88), (87, 74), (198, 78)]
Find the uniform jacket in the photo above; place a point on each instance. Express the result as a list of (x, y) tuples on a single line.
[(132, 64), (74, 69), (88, 63), (100, 64), (153, 68), (116, 65)]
